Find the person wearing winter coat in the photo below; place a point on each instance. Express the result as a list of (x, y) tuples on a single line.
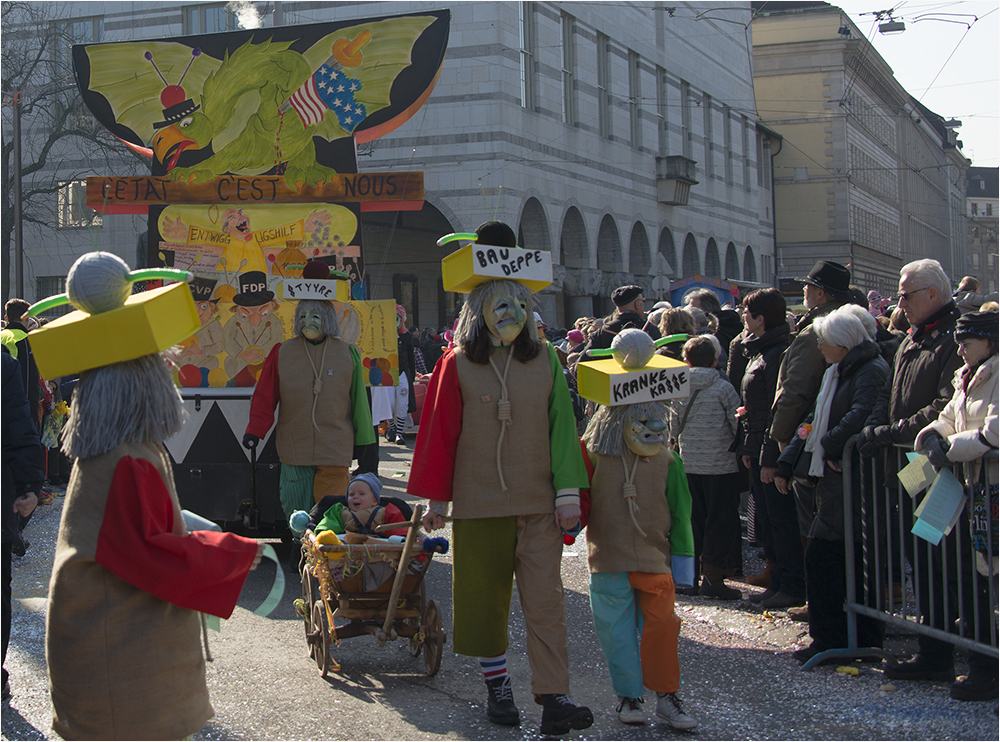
[(766, 342), (966, 429), (850, 387), (704, 426), (23, 474), (827, 287), (919, 388), (629, 313)]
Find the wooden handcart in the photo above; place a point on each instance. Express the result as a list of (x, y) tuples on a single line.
[(377, 588)]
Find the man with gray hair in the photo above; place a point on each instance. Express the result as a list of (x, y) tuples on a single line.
[(918, 388)]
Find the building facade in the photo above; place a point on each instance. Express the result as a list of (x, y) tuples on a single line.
[(621, 138), (983, 203), (866, 175)]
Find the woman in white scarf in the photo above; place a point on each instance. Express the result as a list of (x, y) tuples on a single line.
[(847, 394)]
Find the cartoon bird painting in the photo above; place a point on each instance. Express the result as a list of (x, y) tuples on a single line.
[(260, 106)]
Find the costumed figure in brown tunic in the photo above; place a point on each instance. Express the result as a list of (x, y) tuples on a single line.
[(324, 410), (497, 441), (639, 536), (124, 632)]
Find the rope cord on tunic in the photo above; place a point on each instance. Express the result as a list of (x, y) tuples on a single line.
[(503, 410), (628, 490), (317, 380)]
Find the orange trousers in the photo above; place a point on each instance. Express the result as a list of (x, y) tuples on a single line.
[(638, 630)]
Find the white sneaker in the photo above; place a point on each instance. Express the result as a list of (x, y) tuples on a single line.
[(629, 711), (668, 708)]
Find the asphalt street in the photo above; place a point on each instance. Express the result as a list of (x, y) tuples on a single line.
[(738, 677)]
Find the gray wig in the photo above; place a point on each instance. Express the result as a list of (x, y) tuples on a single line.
[(472, 319), (125, 402), (606, 431), (331, 325)]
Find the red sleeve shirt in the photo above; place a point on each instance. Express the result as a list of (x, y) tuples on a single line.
[(433, 468), (203, 571), (265, 396)]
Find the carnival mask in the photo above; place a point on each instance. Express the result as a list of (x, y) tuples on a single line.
[(312, 326), (505, 317), (644, 437)]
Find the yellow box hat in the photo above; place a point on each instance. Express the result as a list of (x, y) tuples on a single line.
[(634, 375), (474, 264), (138, 324)]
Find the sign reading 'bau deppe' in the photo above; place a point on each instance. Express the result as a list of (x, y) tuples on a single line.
[(474, 264)]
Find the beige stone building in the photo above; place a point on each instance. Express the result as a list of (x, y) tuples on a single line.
[(866, 175), (983, 209)]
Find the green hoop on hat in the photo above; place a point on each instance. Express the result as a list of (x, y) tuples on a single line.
[(144, 274)]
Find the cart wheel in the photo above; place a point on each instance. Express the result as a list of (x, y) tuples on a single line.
[(321, 650), (307, 598), (417, 644), (434, 641)]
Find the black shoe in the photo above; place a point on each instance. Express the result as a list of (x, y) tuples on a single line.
[(500, 706), (920, 668), (975, 688), (719, 589), (805, 654), (400, 440), (782, 600), (561, 713), (692, 590), (757, 597)]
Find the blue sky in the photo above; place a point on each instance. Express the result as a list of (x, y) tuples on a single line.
[(966, 85)]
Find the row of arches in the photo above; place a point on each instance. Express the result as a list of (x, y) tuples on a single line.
[(735, 262)]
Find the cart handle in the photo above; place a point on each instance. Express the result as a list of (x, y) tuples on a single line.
[(397, 584)]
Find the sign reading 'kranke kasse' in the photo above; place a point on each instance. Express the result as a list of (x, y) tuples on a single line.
[(608, 383)]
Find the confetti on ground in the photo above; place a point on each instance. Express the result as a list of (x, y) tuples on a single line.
[(845, 670)]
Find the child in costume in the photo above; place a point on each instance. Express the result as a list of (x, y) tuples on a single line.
[(639, 540), (324, 410), (497, 441), (123, 633)]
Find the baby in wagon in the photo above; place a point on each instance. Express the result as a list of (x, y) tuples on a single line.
[(363, 512)]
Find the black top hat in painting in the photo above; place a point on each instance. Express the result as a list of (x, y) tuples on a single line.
[(253, 289)]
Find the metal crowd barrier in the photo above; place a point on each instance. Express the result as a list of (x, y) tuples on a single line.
[(962, 597)]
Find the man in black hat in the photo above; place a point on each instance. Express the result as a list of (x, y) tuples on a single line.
[(629, 313), (253, 329), (826, 288)]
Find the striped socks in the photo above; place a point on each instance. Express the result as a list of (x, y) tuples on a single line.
[(494, 667)]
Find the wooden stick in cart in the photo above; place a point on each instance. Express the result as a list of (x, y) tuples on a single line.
[(397, 584)]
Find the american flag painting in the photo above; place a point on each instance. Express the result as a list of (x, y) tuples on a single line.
[(329, 89)]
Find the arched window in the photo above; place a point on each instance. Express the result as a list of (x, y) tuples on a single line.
[(573, 240), (712, 267), (609, 245), (689, 257), (749, 265), (732, 262)]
